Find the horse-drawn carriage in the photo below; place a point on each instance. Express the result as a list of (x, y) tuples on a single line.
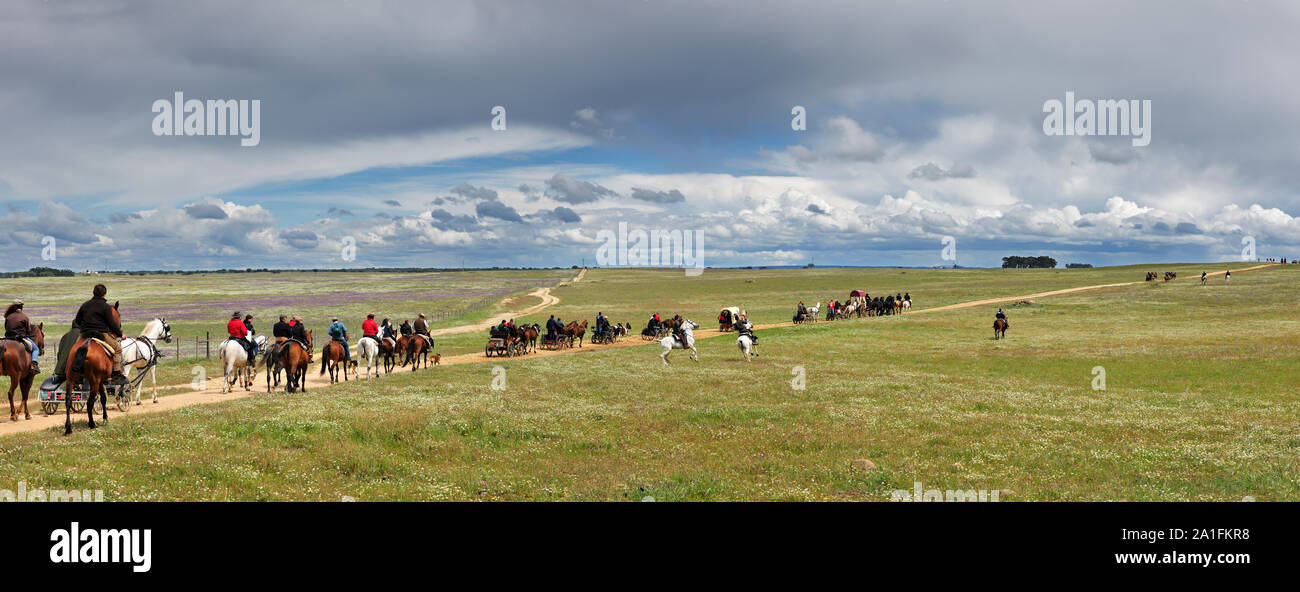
[(556, 341), (54, 394), (609, 335), (727, 318), (503, 343)]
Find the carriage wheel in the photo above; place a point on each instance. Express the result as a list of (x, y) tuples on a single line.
[(78, 406), (123, 401), (487, 351), (50, 407)]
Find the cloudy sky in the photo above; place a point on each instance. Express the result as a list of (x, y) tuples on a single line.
[(924, 120)]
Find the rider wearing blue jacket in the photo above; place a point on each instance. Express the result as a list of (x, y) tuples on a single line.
[(340, 334)]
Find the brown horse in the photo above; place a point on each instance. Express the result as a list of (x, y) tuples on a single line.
[(575, 330), (999, 328), (388, 349), (294, 358), (92, 364), (16, 363), (417, 348), (332, 356), (530, 335)]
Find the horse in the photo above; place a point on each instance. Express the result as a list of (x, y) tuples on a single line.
[(670, 343), (333, 355), (235, 365), (417, 349), (93, 365), (388, 349), (576, 330), (274, 364), (530, 336), (813, 311), (907, 305), (999, 329), (294, 358), (140, 352), (369, 349), (746, 345), (16, 363)]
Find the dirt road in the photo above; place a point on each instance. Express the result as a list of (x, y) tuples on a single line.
[(212, 392)]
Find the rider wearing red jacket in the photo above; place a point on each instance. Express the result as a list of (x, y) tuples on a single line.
[(369, 328), (239, 332)]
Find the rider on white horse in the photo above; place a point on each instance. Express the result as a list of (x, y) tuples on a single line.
[(687, 341), (746, 340), (368, 345)]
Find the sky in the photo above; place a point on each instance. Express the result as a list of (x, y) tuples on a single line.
[(924, 119)]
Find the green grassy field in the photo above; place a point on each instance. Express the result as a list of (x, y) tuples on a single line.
[(1200, 403)]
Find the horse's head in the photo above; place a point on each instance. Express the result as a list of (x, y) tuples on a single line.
[(39, 338), (309, 339), (117, 316), (689, 325)]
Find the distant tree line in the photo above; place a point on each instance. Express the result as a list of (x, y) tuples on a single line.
[(38, 272), (1040, 262), (1077, 265)]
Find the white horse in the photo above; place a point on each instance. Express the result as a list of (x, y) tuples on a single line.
[(138, 352), (669, 343), (368, 349), (746, 345), (907, 305), (235, 364), (813, 311)]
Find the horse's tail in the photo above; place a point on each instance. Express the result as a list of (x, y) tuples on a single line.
[(79, 358), (324, 361)]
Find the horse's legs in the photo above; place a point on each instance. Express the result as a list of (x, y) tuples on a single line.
[(92, 390), (27, 390), (695, 354), (13, 383)]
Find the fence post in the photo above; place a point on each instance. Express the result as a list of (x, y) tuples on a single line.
[(207, 346)]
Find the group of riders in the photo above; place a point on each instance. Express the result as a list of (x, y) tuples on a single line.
[(292, 328), (864, 304), (95, 319)]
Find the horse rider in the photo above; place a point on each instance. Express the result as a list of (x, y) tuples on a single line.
[(282, 331), (19, 328), (1003, 316), (95, 318), (338, 332), (66, 343), (386, 330), (600, 322), (802, 313), (1203, 276), (551, 328), (499, 330), (907, 296), (405, 328), (248, 324), (422, 329), (298, 332), (744, 327), (239, 332), (369, 328), (1227, 277)]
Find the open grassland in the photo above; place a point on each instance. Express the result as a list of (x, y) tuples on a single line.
[(1201, 402)]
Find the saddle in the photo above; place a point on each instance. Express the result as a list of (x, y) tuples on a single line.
[(26, 341), (108, 349), (426, 338)]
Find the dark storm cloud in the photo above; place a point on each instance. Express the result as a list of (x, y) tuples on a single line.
[(564, 214), (205, 211), (468, 191), (496, 209), (564, 188), (670, 196), (392, 203)]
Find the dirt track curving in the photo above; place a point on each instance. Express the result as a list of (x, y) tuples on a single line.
[(213, 394)]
